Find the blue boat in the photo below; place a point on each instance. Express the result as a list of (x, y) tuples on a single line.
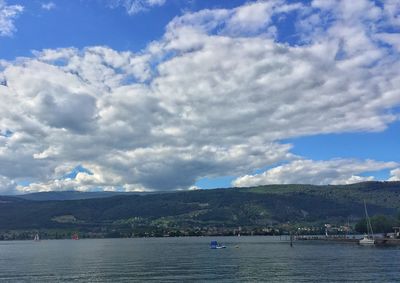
[(214, 245)]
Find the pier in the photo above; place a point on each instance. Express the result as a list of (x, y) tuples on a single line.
[(379, 241)]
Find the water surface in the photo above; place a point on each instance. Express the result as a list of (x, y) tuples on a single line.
[(246, 259)]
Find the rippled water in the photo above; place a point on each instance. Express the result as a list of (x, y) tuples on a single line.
[(246, 259)]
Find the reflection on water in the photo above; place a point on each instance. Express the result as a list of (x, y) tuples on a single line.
[(190, 259)]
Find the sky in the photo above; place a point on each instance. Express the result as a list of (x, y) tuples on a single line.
[(148, 95)]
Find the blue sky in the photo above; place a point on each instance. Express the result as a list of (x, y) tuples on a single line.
[(163, 95), (80, 23)]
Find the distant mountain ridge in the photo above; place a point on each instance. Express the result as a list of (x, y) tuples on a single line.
[(69, 195), (77, 195), (201, 211)]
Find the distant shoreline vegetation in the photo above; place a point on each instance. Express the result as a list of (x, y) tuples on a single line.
[(381, 224), (57, 234), (263, 210)]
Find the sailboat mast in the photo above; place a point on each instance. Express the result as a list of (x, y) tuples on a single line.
[(369, 226)]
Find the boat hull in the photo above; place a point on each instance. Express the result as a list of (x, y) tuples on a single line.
[(367, 242)]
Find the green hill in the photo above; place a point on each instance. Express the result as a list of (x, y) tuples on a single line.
[(218, 211), (70, 195)]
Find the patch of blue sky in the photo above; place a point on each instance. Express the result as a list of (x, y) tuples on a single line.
[(24, 183), (388, 48), (78, 169), (128, 80), (92, 23), (395, 111), (61, 62), (6, 133), (381, 146), (213, 183), (381, 175), (211, 4), (266, 168), (286, 29), (155, 61), (84, 23), (226, 181)]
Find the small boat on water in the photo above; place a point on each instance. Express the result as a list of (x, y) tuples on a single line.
[(215, 245), (368, 239), (75, 237), (36, 238)]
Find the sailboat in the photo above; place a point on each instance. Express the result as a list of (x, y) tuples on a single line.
[(368, 239), (36, 238)]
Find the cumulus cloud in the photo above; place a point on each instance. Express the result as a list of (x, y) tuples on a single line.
[(7, 186), (247, 20), (48, 6), (97, 179), (390, 38), (337, 171), (8, 14), (395, 175), (216, 96), (136, 6)]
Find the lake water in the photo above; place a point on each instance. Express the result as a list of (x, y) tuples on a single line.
[(246, 259)]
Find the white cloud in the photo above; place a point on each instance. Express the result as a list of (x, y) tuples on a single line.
[(334, 172), (8, 14), (136, 6), (156, 2), (7, 186), (395, 175), (214, 97), (392, 11), (390, 38), (49, 152), (194, 188), (48, 6), (249, 19), (99, 179)]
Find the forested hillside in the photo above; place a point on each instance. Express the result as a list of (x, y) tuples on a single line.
[(203, 211)]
